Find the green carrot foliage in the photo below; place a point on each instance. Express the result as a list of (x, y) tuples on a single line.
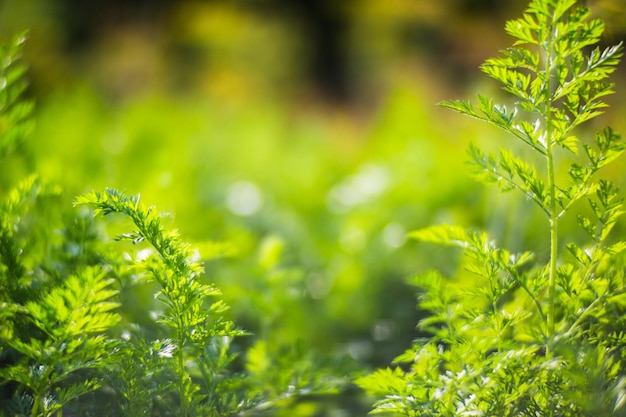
[(532, 336), (54, 314), (197, 332), (15, 111)]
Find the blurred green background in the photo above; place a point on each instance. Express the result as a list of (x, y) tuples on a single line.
[(301, 137)]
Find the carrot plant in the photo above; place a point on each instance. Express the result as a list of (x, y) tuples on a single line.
[(54, 312), (532, 335), (74, 337), (197, 333), (66, 345), (63, 346)]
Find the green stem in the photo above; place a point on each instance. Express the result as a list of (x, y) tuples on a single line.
[(36, 402), (584, 315), (554, 215), (40, 392), (554, 234), (181, 367), (530, 293)]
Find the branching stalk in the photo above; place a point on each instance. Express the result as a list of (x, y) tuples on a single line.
[(554, 215)]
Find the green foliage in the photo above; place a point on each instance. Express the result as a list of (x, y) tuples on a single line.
[(70, 320), (52, 330), (64, 346), (15, 112), (54, 313), (303, 250), (54, 316), (529, 336), (57, 342), (79, 336), (195, 324)]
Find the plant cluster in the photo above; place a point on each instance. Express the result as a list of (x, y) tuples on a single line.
[(70, 343), (59, 342), (520, 334)]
